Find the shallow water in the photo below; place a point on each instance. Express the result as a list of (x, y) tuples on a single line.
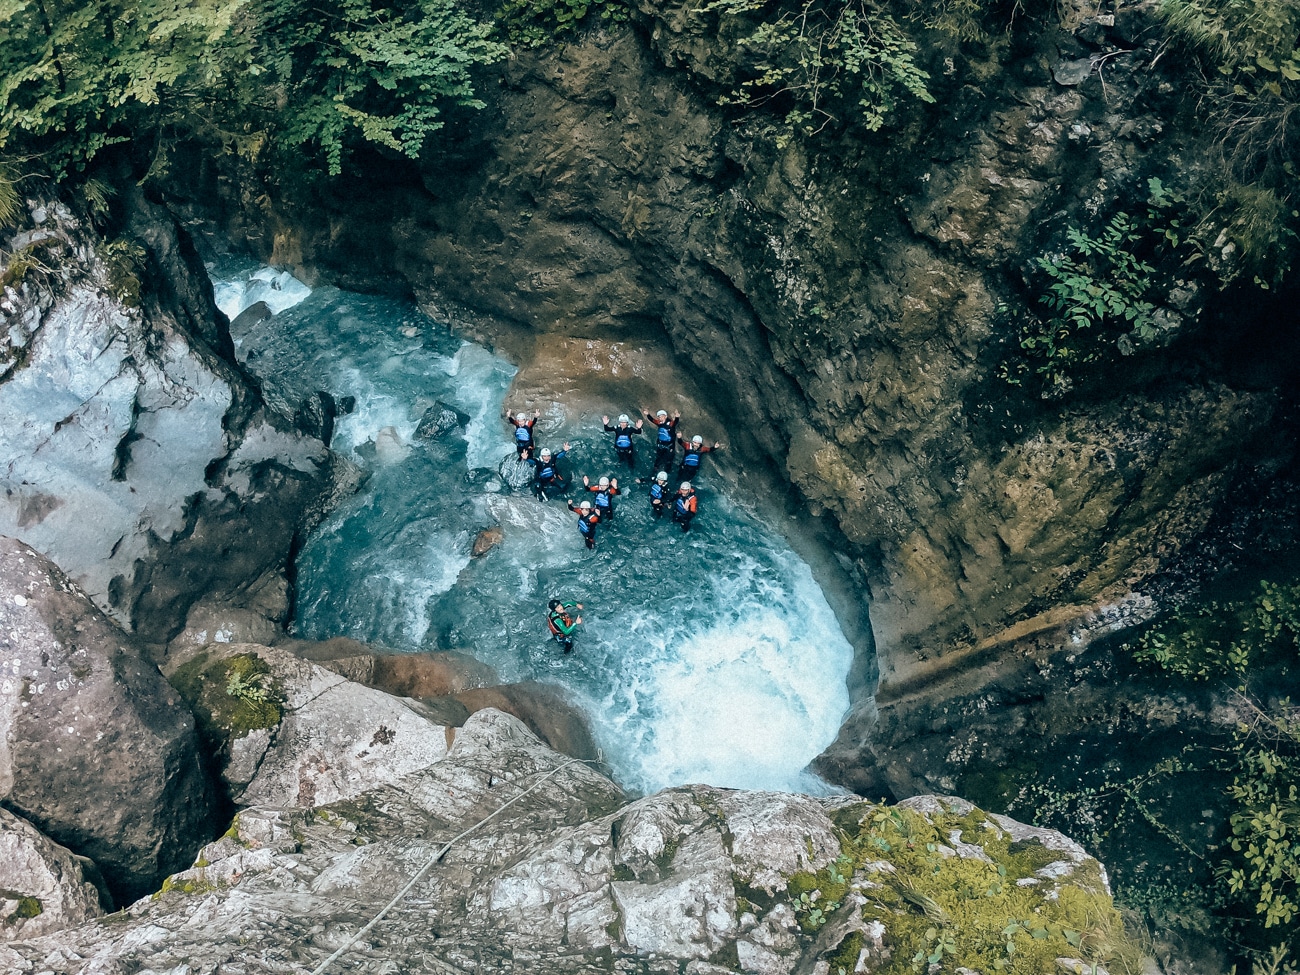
[(703, 657)]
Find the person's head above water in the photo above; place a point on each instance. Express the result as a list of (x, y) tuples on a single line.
[(663, 413), (662, 477), (686, 486), (553, 604), (697, 440), (521, 417), (585, 506), (604, 482), (622, 418), (546, 453)]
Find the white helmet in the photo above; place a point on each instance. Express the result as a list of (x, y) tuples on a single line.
[(661, 413), (686, 486), (521, 417), (662, 477), (604, 482), (585, 506), (697, 439), (622, 418), (546, 452)]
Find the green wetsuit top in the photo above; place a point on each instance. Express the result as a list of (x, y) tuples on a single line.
[(559, 618)]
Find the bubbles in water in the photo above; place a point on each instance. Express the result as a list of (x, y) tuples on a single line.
[(704, 657)]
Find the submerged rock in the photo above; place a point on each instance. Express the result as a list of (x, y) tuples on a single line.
[(96, 750), (487, 540), (523, 861)]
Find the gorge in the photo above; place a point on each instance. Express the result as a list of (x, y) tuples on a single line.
[(922, 553)]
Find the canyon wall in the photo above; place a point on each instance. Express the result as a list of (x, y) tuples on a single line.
[(845, 301)]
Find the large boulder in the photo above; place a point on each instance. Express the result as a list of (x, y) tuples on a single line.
[(133, 451), (43, 886), (511, 858), (288, 732), (96, 748)]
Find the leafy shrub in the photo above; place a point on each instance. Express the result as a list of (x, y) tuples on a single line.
[(828, 61), (532, 23), (1099, 295), (1248, 96)]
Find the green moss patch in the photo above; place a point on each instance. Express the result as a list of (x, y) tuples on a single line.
[(941, 909), (230, 696), (28, 907)]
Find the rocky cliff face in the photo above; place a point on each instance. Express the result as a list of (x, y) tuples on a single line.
[(511, 858), (843, 300), (132, 450)]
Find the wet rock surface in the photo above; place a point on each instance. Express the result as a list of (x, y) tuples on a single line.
[(521, 860), (96, 749), (132, 450)]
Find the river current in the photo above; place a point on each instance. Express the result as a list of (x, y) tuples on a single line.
[(710, 657)]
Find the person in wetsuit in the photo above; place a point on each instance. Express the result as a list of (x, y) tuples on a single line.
[(693, 452), (561, 623), (604, 490), (523, 425), (623, 433), (685, 505), (546, 473), (588, 519), (665, 437), (658, 492)]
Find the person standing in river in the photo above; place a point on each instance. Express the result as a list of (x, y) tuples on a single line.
[(546, 473), (685, 506), (623, 433), (658, 492), (604, 490), (693, 452), (665, 437), (523, 425), (588, 519), (561, 623)]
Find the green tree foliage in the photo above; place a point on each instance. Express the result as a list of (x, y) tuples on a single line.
[(532, 23), (1237, 640), (381, 71), (821, 61), (78, 76)]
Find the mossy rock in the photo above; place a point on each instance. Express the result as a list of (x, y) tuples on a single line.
[(230, 696), (27, 908)]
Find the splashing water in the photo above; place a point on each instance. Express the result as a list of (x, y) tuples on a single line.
[(711, 656)]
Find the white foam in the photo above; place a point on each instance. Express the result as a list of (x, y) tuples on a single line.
[(279, 289)]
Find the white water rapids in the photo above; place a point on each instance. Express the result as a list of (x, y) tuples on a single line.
[(706, 657)]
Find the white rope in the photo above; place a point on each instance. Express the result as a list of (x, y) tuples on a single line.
[(434, 859)]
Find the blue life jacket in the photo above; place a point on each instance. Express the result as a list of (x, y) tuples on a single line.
[(585, 526), (679, 503), (545, 471), (665, 434), (691, 458), (602, 499), (657, 491), (623, 438), (523, 434)]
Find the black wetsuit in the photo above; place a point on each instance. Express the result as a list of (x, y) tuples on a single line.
[(546, 475), (665, 442), (623, 445)]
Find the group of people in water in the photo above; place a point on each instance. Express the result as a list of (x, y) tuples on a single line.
[(548, 481)]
